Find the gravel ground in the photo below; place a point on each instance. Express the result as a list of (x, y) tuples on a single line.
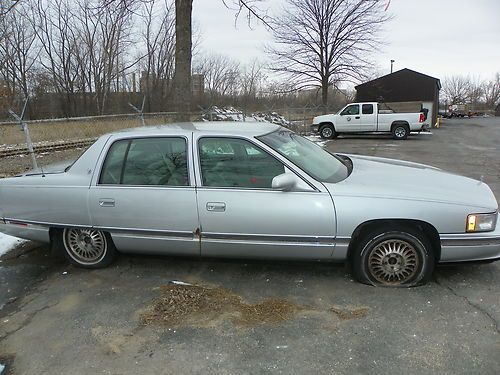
[(63, 320)]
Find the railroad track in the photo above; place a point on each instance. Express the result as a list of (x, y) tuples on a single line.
[(65, 145)]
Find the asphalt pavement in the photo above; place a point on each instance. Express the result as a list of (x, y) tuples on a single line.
[(58, 319)]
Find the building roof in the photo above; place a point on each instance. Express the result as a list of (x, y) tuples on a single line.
[(401, 72)]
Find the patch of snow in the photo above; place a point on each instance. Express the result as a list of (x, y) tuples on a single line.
[(177, 282), (2, 367), (8, 243)]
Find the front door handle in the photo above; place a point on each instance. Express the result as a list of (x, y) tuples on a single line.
[(106, 202), (357, 117), (216, 206)]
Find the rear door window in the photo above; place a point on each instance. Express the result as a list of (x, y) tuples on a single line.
[(367, 109), (147, 162)]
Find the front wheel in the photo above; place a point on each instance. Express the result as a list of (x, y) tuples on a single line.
[(86, 247), (400, 257), (327, 132)]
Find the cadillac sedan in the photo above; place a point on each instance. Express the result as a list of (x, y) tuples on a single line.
[(252, 191)]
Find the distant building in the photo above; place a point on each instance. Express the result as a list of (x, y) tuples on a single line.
[(406, 86), (198, 84)]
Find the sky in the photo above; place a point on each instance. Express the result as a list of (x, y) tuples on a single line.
[(436, 37)]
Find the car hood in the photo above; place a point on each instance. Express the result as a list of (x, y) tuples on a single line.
[(389, 178)]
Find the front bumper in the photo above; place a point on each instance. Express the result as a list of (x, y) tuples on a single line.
[(465, 247)]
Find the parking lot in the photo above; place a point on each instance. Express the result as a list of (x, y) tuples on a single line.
[(254, 317)]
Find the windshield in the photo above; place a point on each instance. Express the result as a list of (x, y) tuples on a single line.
[(307, 155)]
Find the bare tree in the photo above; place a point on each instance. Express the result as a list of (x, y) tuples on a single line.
[(17, 51), (324, 42), (159, 42), (251, 83), (456, 89), (183, 54), (491, 92), (221, 75), (7, 6)]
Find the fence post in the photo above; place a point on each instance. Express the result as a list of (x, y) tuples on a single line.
[(26, 131), (140, 111)]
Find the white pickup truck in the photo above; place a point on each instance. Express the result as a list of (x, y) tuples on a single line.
[(369, 118)]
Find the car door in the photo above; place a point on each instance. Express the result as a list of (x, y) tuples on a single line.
[(368, 120), (144, 195), (349, 120), (242, 216)]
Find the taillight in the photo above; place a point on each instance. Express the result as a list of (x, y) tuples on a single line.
[(422, 118)]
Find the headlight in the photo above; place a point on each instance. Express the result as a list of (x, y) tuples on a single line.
[(481, 222)]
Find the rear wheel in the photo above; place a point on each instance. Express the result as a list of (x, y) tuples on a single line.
[(87, 247), (327, 131), (394, 257), (400, 131)]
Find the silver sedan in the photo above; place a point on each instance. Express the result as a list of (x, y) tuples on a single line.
[(252, 190)]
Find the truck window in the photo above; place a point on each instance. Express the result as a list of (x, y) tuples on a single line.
[(350, 110), (367, 109)]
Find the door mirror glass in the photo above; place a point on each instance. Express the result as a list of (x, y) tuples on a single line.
[(284, 182)]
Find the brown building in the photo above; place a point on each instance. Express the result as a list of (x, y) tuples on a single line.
[(405, 85)]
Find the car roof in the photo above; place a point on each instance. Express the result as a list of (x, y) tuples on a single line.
[(253, 128)]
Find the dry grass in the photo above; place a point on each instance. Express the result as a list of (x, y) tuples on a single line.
[(184, 304)]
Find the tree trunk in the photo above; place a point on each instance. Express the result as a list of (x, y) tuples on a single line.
[(182, 77), (324, 96)]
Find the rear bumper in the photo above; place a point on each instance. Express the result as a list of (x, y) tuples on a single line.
[(315, 128), (471, 246), (23, 230)]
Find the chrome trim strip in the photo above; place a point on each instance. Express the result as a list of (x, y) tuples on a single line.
[(46, 224), (473, 241), (268, 238), (130, 232)]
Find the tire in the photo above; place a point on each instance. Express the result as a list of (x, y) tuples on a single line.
[(86, 247), (327, 132), (400, 131), (398, 257)]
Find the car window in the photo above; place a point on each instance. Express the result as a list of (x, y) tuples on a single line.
[(230, 162), (307, 155), (147, 161), (367, 109), (351, 110)]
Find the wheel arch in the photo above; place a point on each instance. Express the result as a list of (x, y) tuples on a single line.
[(400, 122), (426, 228), (326, 123)]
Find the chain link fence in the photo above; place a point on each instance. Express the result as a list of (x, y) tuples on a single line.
[(56, 139)]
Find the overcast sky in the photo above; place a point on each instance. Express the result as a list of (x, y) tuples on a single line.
[(435, 37)]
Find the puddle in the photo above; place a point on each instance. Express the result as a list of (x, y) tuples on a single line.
[(188, 304)]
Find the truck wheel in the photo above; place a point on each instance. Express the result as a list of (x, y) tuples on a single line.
[(327, 132), (397, 256), (400, 131)]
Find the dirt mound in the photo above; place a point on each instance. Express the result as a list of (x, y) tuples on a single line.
[(183, 304)]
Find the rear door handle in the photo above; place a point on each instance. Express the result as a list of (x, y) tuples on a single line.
[(106, 202), (216, 206)]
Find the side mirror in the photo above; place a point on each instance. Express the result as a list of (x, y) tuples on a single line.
[(284, 182)]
